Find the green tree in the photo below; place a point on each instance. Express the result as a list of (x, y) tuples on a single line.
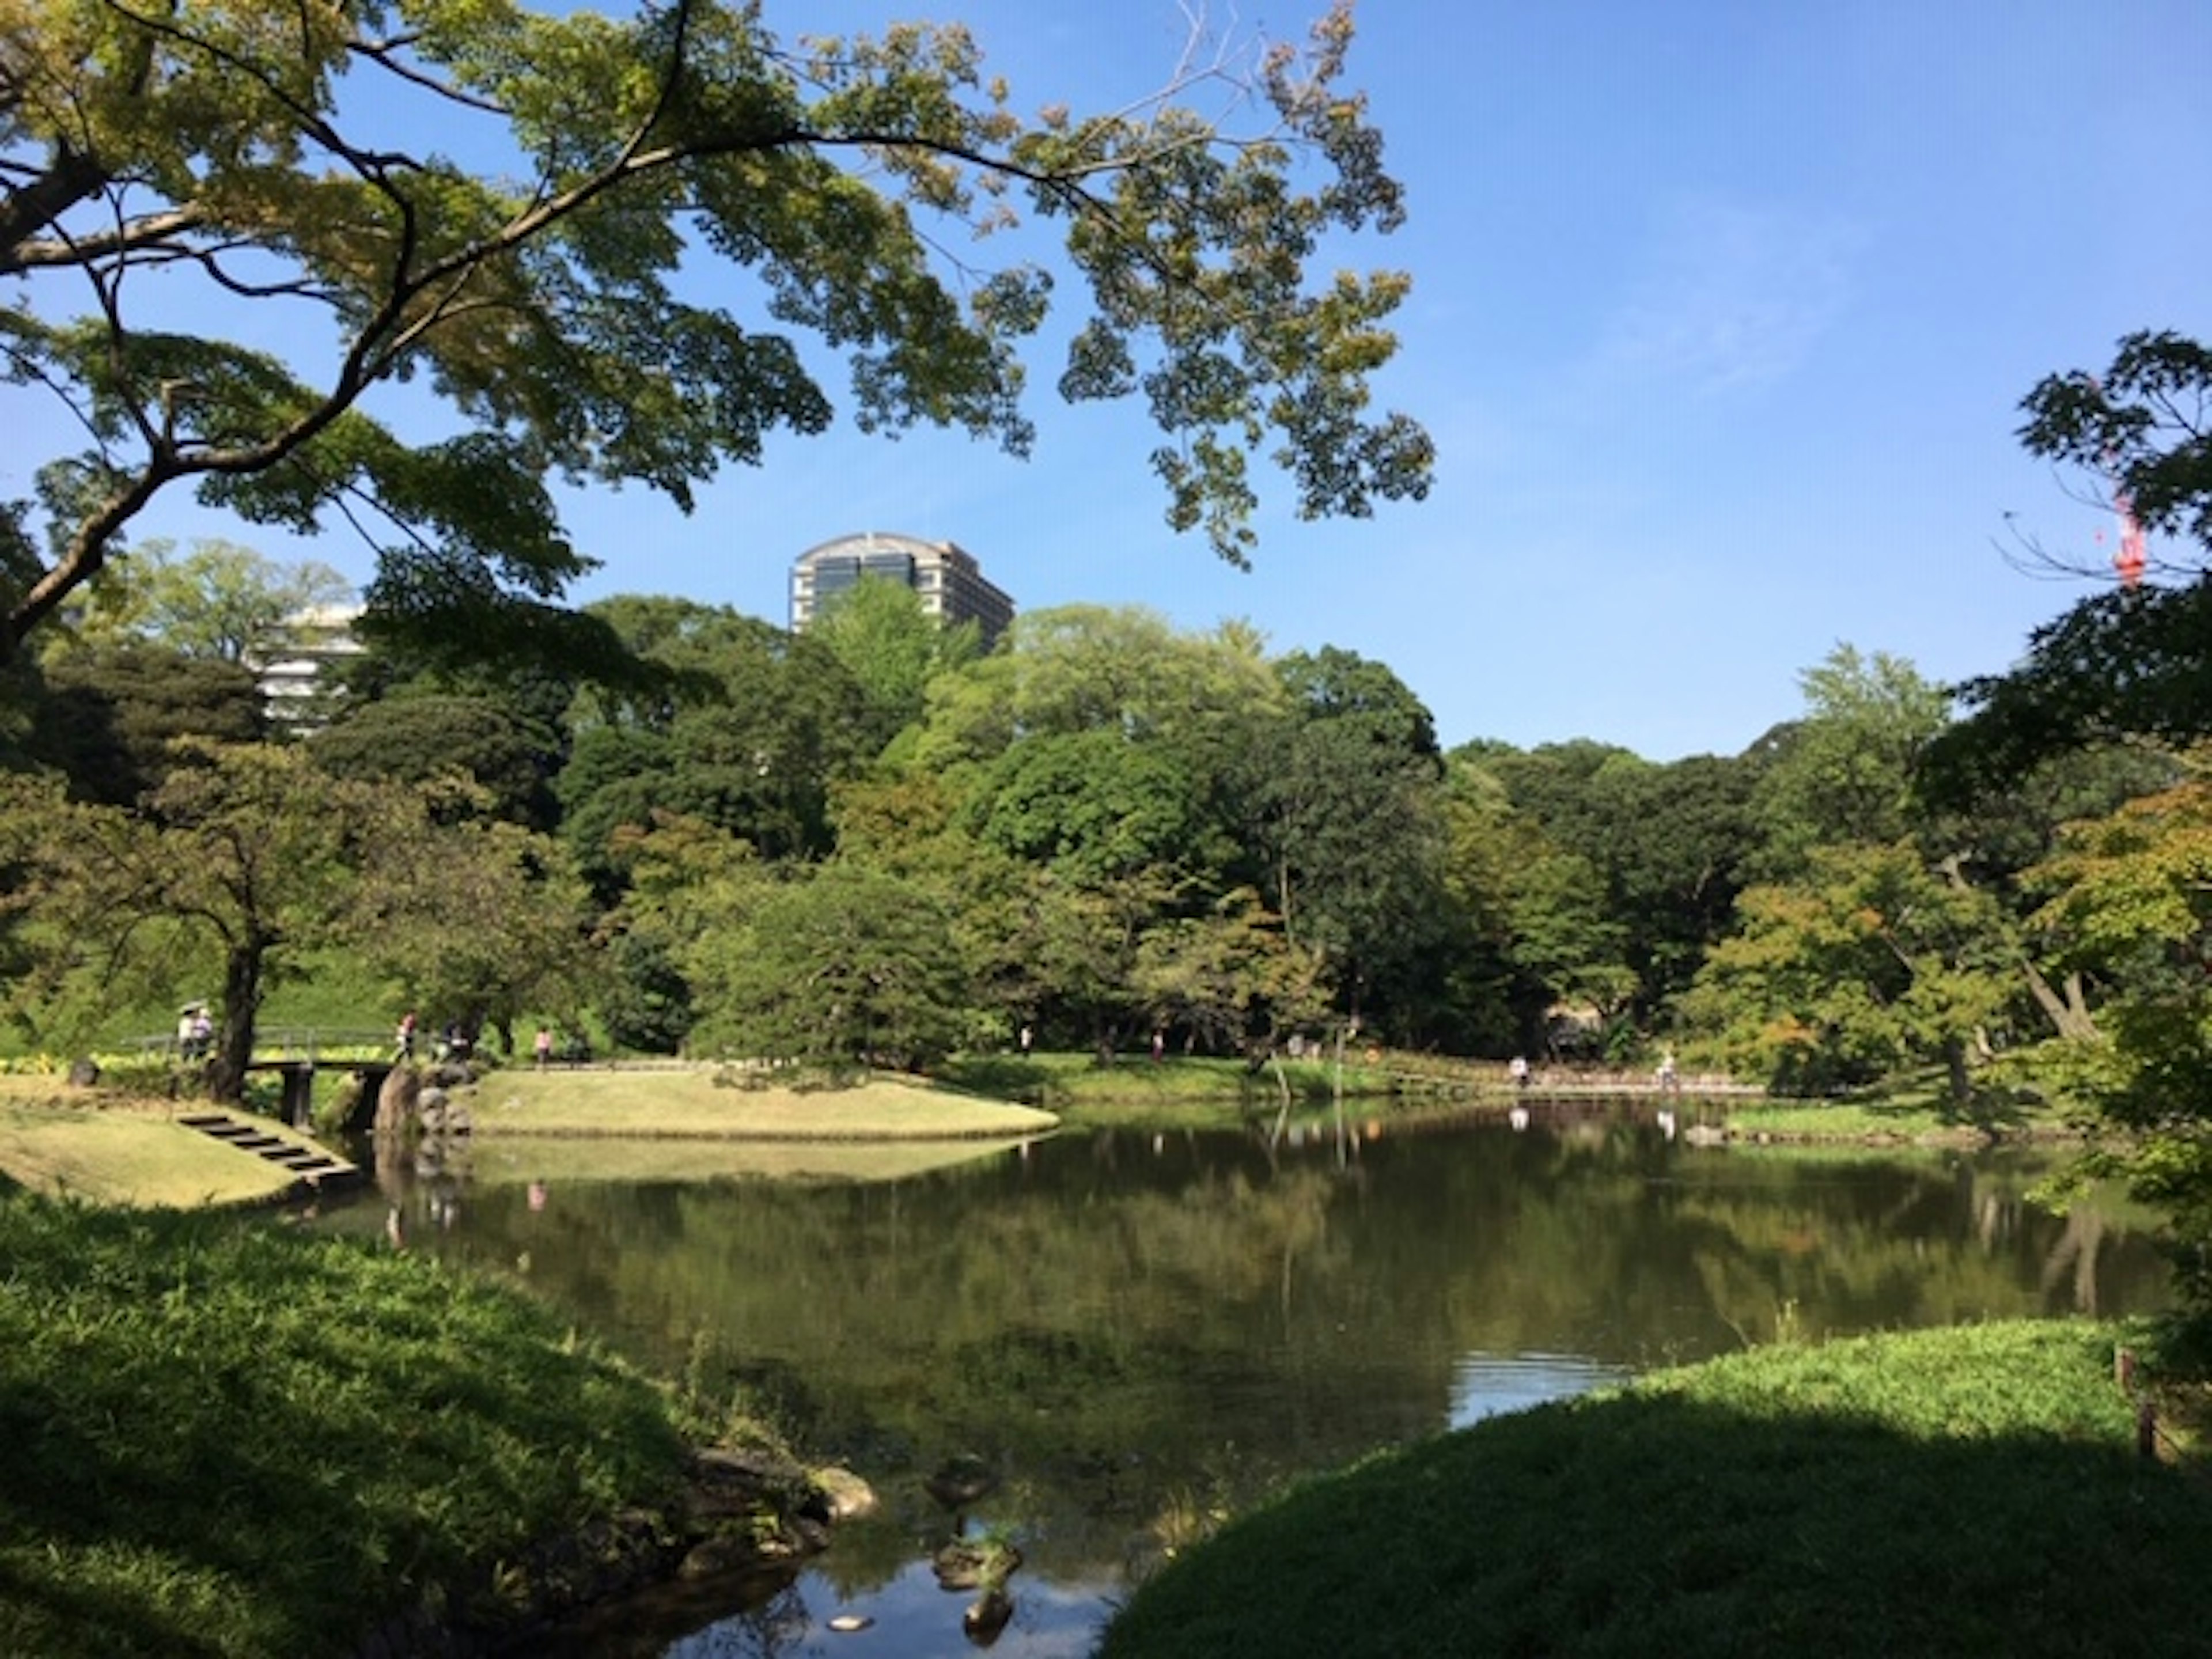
[(892, 648), (747, 729), (2139, 425), (1868, 963), (1654, 856), (475, 921), (843, 965), (2129, 901), (2130, 666), (108, 715), (243, 861), (219, 601), (1097, 809), (1083, 668), (2130, 663), (1104, 758), (675, 880), (1229, 978), (414, 738), (273, 160), (1353, 832), (1843, 773)]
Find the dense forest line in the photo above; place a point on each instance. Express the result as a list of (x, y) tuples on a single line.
[(697, 832)]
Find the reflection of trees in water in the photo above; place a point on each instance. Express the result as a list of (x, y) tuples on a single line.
[(2077, 1247), (1138, 1329), (1898, 1245)]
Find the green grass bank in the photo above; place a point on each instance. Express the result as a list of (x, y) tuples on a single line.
[(226, 1439), (1966, 1492)]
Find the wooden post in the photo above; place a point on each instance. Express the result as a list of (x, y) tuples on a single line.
[(2124, 1368), (2147, 1429)]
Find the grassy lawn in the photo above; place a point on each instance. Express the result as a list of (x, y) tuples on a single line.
[(671, 1102), (225, 1439), (1963, 1492), (112, 1149), (58, 1141), (1844, 1119)]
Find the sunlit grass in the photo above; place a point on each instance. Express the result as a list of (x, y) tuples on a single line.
[(706, 1102), (123, 1153), (1846, 1120)]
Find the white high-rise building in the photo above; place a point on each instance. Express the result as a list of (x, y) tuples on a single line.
[(292, 679)]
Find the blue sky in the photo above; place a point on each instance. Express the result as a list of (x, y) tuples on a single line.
[(1721, 316)]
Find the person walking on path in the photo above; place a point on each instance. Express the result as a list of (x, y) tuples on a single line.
[(543, 1046)]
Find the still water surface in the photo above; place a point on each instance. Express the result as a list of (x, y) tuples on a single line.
[(1136, 1332)]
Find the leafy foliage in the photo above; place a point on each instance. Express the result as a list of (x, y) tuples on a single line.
[(108, 715), (273, 166), (893, 649), (220, 601), (1868, 962), (2130, 900), (2129, 663), (845, 967), (415, 738), (245, 861)]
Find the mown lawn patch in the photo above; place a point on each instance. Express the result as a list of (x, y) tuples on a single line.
[(113, 1150), (715, 1102)]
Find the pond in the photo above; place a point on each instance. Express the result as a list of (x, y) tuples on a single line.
[(1134, 1333)]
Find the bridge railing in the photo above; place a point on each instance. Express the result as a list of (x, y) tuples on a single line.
[(331, 1043), (322, 1043)]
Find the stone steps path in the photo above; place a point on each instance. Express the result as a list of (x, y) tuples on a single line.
[(311, 1164)]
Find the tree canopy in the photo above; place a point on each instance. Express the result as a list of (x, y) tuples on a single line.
[(227, 237), (2126, 663)]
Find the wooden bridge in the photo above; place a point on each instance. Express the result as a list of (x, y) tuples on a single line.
[(1416, 1076), (296, 1081), (297, 1053)]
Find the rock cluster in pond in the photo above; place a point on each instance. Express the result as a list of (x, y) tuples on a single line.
[(422, 1102), (742, 1511)]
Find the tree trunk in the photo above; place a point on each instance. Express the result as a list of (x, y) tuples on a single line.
[(2070, 1016), (1954, 1065), (241, 1001)]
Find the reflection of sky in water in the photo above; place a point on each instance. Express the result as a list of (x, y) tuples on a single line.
[(913, 1618), (1490, 1385)]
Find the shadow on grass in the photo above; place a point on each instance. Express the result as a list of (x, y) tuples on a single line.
[(1663, 1523), (1993, 1111), (1001, 1077)]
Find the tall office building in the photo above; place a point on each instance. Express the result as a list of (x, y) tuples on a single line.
[(951, 582)]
